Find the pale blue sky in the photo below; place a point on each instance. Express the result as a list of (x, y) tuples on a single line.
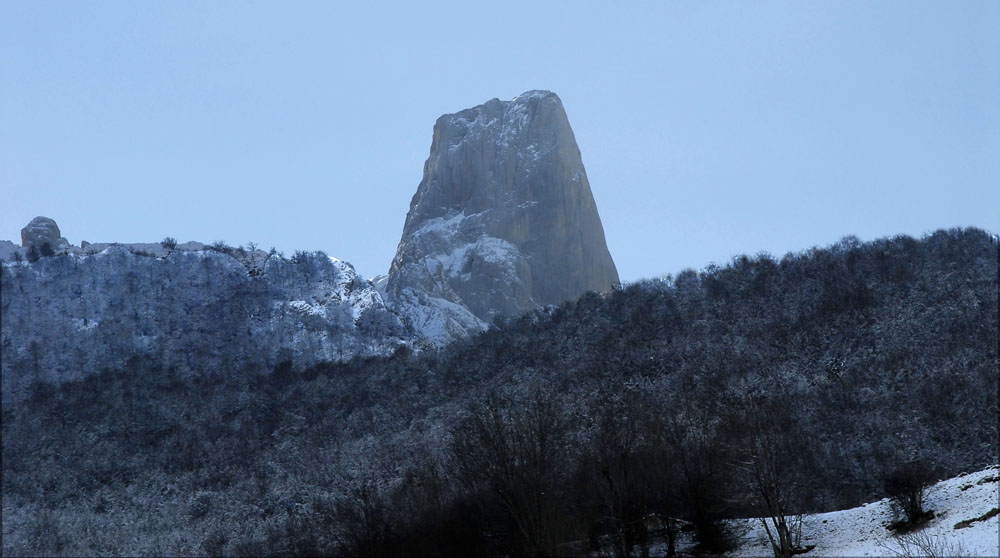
[(707, 129)]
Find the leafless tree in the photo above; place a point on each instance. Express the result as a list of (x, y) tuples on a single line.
[(773, 455), (513, 449)]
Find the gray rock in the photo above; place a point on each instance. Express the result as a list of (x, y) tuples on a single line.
[(503, 221), (41, 231)]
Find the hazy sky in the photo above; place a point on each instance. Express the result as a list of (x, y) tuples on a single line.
[(707, 129)]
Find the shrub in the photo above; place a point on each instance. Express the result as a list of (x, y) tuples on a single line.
[(905, 486), (222, 247), (912, 545), (169, 243)]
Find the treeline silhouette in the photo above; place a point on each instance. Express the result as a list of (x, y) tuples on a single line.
[(644, 416)]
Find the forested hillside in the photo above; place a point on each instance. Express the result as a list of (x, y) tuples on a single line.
[(805, 381)]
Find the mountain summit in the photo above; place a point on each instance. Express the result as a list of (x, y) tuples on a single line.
[(503, 221)]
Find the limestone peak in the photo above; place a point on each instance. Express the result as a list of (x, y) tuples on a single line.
[(504, 220)]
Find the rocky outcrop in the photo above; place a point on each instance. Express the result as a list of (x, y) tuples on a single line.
[(503, 221), (192, 312), (42, 234)]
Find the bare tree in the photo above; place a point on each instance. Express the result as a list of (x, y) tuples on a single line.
[(512, 449), (633, 467), (905, 486), (773, 455), (692, 439)]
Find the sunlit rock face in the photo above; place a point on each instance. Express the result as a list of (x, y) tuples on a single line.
[(503, 221)]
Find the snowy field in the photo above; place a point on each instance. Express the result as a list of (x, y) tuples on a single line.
[(862, 531)]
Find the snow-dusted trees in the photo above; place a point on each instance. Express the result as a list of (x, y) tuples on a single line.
[(698, 449), (774, 457), (510, 454), (630, 471)]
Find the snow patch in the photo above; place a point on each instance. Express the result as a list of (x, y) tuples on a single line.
[(304, 308), (488, 248), (442, 224), (533, 94), (438, 320), (862, 531), (82, 324)]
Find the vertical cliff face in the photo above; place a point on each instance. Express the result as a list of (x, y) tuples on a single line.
[(503, 221)]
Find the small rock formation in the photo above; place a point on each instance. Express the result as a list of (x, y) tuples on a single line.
[(42, 231), (503, 221)]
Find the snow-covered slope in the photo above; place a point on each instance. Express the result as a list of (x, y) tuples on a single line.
[(956, 502)]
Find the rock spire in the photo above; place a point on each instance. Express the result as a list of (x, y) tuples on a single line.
[(503, 221)]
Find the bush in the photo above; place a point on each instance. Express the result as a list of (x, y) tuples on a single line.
[(169, 243), (905, 486), (221, 247), (912, 545)]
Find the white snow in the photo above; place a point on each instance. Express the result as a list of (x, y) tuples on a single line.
[(437, 319), (515, 120), (380, 282), (306, 309), (83, 325), (533, 94), (488, 248), (862, 531), (442, 224)]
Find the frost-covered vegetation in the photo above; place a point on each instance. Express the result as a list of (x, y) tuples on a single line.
[(221, 309), (761, 389)]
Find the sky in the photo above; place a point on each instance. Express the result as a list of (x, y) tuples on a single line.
[(708, 129)]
